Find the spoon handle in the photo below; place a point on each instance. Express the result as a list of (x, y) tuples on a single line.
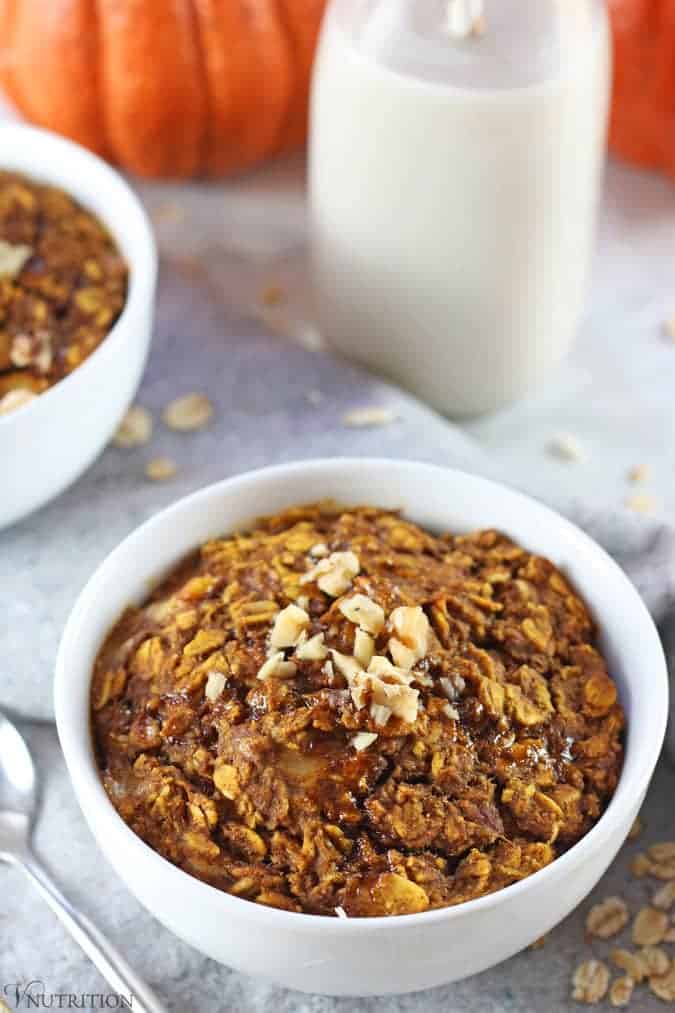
[(103, 954)]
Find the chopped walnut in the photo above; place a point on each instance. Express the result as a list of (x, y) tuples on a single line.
[(215, 684), (288, 626), (607, 918), (312, 649), (410, 640), (364, 648), (187, 413), (13, 258), (276, 667), (334, 574), (135, 428), (362, 740), (34, 350), (363, 612), (590, 982)]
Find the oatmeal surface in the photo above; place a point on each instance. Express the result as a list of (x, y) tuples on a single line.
[(63, 284), (337, 712)]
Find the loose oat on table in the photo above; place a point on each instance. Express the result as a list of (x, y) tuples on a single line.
[(664, 898), (607, 918), (643, 503), (630, 962), (189, 412), (63, 284), (664, 986), (621, 991), (640, 865), (335, 709), (135, 429), (568, 448), (655, 960), (367, 418), (160, 469), (649, 927), (590, 982), (669, 328)]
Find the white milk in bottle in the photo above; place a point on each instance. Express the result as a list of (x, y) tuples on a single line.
[(455, 164)]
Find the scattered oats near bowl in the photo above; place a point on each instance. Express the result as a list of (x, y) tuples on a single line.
[(566, 447), (188, 412), (160, 469), (135, 429), (669, 328), (366, 418), (639, 473), (643, 503)]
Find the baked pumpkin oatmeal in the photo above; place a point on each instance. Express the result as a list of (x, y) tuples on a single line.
[(63, 283), (337, 712)]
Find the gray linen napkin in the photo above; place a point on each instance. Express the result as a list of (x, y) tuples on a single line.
[(260, 386)]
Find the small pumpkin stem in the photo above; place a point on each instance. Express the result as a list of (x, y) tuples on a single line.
[(465, 18)]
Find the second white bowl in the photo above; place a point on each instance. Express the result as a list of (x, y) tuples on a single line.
[(47, 444)]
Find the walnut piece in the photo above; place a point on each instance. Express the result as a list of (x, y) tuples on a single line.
[(313, 649), (363, 612), (276, 667), (410, 641), (13, 258), (362, 740), (364, 648), (215, 684), (334, 574), (630, 962), (288, 626)]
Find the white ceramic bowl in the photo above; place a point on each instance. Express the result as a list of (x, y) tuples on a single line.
[(47, 444), (370, 956)]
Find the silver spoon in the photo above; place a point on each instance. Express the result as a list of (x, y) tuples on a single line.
[(18, 803)]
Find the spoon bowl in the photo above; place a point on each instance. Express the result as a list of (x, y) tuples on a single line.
[(18, 806)]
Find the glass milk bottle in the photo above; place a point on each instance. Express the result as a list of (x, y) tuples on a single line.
[(455, 163)]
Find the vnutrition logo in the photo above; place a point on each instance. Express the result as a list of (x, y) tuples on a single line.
[(34, 995)]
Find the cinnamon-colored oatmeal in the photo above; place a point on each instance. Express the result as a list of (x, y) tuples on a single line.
[(63, 284), (340, 713)]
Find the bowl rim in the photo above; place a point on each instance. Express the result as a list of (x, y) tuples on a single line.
[(77, 746), (142, 262)]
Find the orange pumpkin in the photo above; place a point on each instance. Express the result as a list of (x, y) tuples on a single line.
[(643, 108), (164, 87)]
